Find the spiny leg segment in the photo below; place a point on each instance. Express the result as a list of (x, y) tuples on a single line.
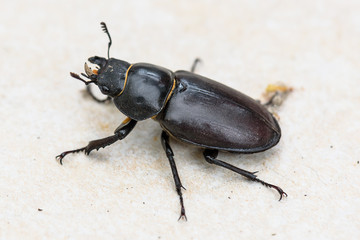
[(120, 133), (211, 157), (178, 185)]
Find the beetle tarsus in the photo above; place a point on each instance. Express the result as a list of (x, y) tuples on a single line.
[(178, 185), (210, 156), (62, 155), (280, 191), (182, 214)]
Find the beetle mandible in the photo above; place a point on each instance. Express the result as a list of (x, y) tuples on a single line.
[(188, 107)]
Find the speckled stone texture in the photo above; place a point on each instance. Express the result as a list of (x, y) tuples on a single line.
[(126, 191)]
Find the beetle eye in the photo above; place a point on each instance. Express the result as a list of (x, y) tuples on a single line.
[(104, 89)]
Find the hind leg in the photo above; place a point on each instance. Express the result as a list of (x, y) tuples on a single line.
[(211, 157)]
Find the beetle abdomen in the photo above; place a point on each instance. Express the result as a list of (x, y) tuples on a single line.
[(209, 114)]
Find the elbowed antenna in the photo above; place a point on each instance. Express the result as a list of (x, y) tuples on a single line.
[(105, 29), (74, 75), (91, 75)]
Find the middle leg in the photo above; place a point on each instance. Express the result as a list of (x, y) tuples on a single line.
[(170, 156)]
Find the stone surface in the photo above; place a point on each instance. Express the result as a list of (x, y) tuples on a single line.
[(126, 191)]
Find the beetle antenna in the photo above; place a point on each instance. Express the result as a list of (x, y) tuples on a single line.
[(74, 75), (84, 75), (105, 29)]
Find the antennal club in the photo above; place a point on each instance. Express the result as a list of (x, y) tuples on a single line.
[(105, 29)]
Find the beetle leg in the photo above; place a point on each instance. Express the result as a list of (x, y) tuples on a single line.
[(210, 156), (195, 63), (89, 91), (120, 133), (170, 156)]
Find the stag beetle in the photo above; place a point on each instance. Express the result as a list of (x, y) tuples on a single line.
[(189, 107)]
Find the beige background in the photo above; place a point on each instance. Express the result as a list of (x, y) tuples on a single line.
[(126, 191)]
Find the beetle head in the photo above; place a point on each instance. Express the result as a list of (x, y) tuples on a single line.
[(109, 74)]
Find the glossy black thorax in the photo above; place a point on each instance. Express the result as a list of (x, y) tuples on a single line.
[(146, 90)]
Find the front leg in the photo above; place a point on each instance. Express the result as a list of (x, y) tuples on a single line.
[(92, 95), (120, 133)]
